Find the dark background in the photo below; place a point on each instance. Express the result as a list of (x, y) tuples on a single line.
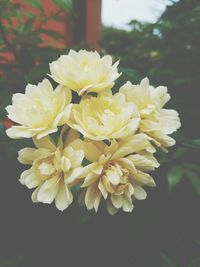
[(162, 231)]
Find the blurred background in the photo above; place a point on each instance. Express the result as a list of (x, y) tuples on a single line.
[(155, 38)]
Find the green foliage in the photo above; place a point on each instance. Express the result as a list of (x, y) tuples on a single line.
[(174, 176), (168, 53), (194, 178), (166, 261), (184, 170), (34, 3), (20, 36), (28, 54), (152, 48), (64, 4), (180, 151)]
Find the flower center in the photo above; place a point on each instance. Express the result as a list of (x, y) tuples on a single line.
[(115, 178), (54, 165), (46, 168)]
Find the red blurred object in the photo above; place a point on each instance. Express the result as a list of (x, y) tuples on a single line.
[(82, 27), (93, 22), (87, 17), (7, 123), (64, 28)]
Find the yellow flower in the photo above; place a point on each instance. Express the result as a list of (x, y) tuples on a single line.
[(39, 111), (156, 122), (117, 172), (104, 117), (84, 71), (53, 169)]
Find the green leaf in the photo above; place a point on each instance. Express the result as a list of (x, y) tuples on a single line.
[(196, 143), (194, 179), (34, 3), (174, 176), (64, 4), (192, 166), (180, 151), (182, 139), (166, 261), (21, 28)]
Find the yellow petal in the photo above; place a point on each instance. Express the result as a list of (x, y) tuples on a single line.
[(71, 136), (145, 162), (92, 195), (102, 189), (110, 208), (117, 201), (92, 151), (143, 179), (48, 190), (90, 179), (139, 193), (64, 197), (45, 142), (16, 132), (27, 155), (30, 179)]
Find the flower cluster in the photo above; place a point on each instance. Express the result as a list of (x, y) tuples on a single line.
[(106, 141)]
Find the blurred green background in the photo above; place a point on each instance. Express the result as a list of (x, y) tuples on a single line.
[(162, 231)]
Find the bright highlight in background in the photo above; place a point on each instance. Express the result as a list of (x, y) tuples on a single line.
[(119, 13)]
